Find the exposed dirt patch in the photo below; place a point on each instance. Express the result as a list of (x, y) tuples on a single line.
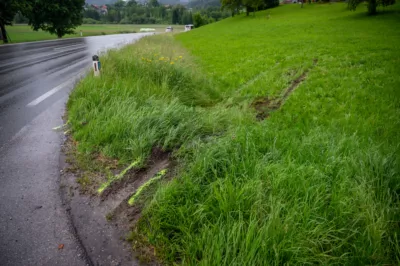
[(89, 171), (102, 241), (294, 85), (158, 159), (111, 163), (103, 221), (125, 216), (265, 105)]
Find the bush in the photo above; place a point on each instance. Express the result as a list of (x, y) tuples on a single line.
[(125, 21), (126, 31), (90, 21), (199, 20)]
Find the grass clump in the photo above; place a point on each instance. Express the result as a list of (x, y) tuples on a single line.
[(143, 187), (105, 185), (84, 181), (318, 182), (109, 217)]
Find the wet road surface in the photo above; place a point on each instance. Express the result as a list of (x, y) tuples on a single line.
[(35, 79)]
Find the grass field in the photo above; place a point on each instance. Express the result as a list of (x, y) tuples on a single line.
[(285, 131), (24, 33)]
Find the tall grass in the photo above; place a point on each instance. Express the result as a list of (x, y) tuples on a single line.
[(318, 182), (148, 95)]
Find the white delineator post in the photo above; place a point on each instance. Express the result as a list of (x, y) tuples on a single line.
[(96, 65)]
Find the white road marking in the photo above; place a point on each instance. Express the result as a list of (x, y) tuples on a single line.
[(49, 93), (81, 64), (67, 83)]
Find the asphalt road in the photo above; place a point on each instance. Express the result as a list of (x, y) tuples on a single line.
[(35, 79)]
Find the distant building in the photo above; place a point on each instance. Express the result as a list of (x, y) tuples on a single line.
[(102, 10)]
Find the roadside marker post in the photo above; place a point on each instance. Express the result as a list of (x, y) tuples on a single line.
[(96, 65)]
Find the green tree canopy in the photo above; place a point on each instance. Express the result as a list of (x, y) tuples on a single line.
[(232, 5), (57, 17), (153, 3), (177, 14), (372, 4), (198, 20)]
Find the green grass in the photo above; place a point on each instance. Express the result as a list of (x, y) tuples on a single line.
[(132, 200), (318, 182), (24, 33), (112, 179)]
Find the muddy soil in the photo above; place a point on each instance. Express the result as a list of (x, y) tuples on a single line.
[(265, 105), (103, 222)]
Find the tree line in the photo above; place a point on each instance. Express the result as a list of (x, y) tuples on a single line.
[(152, 12), (235, 6)]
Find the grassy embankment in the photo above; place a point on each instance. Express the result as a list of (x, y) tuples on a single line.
[(24, 33), (316, 182)]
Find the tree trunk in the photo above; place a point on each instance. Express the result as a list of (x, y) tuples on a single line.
[(3, 33), (372, 7), (247, 11), (59, 34)]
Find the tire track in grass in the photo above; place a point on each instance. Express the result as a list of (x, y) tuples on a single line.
[(264, 105)]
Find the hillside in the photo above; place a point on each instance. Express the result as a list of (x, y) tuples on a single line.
[(264, 140)]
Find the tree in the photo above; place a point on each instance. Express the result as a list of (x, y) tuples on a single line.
[(8, 9), (372, 4), (253, 5), (131, 3), (175, 16), (232, 5), (153, 3), (198, 20), (271, 3), (91, 13), (57, 17), (20, 19), (177, 13), (119, 5), (187, 18)]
